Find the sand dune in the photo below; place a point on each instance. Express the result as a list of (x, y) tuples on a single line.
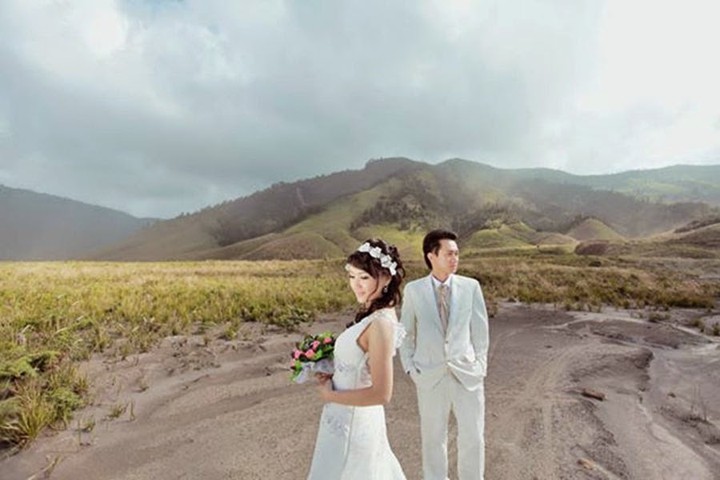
[(226, 410)]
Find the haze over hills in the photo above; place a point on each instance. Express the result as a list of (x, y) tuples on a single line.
[(679, 183), (36, 226), (400, 199)]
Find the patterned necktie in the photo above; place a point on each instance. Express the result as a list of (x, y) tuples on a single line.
[(443, 308)]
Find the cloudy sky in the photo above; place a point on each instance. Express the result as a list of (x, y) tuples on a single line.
[(157, 107)]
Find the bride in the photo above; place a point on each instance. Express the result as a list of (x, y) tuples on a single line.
[(352, 440)]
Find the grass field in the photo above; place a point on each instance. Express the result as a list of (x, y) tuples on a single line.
[(55, 315)]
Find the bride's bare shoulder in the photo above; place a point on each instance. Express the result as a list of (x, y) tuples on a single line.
[(387, 312)]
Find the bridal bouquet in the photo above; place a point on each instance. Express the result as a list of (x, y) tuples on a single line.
[(313, 355)]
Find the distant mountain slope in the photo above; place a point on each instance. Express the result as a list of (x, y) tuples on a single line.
[(326, 216), (466, 196), (680, 183), (35, 226), (264, 212)]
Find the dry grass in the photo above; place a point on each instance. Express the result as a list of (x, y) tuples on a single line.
[(53, 315), (586, 283)]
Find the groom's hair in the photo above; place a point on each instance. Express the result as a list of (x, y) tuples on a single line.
[(431, 243)]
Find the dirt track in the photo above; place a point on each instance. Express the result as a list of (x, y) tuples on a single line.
[(226, 410)]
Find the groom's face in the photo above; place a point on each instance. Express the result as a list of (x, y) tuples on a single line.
[(445, 261)]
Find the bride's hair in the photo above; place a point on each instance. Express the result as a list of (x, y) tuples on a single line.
[(374, 266)]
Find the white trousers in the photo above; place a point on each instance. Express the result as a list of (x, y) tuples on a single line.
[(468, 406)]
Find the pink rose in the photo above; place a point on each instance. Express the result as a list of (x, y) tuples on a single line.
[(310, 354), (315, 345), (327, 340), (296, 354)]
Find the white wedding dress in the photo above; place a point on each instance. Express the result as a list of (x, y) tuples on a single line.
[(352, 442)]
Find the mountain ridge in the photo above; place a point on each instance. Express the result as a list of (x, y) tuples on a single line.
[(40, 226), (327, 215), (324, 216)]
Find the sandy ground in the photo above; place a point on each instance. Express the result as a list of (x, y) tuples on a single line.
[(226, 410)]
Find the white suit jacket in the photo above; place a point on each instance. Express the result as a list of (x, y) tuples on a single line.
[(427, 352)]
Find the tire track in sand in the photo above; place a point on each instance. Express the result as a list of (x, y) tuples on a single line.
[(524, 419)]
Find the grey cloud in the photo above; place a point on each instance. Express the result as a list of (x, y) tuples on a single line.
[(207, 101)]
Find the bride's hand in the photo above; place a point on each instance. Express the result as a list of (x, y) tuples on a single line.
[(324, 386)]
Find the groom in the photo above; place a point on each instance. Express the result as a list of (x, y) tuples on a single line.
[(445, 353)]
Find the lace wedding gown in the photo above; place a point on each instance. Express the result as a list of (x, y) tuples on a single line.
[(352, 442)]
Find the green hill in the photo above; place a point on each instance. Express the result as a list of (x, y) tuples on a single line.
[(593, 229), (680, 183), (400, 199)]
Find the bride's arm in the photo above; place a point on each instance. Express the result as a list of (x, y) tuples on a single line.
[(381, 345)]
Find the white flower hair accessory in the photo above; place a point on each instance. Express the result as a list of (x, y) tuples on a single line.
[(386, 261)]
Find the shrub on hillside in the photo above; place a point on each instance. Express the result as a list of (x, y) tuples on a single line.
[(592, 248)]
